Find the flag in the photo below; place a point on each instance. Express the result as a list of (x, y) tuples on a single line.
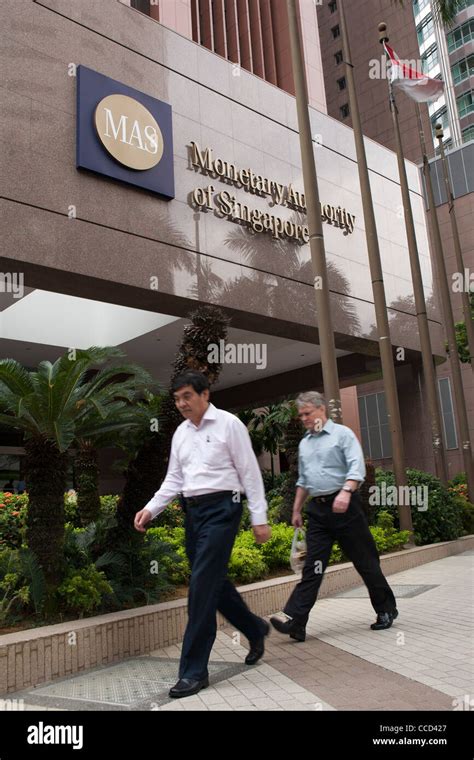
[(417, 86)]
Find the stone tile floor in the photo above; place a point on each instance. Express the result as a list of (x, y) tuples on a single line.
[(424, 662)]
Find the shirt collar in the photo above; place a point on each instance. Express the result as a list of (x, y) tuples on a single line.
[(328, 428), (209, 414)]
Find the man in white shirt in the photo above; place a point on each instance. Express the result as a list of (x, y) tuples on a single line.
[(211, 464)]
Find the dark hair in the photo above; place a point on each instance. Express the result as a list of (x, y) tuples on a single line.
[(191, 377)]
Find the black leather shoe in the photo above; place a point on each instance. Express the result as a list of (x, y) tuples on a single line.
[(290, 627), (257, 647), (187, 686), (384, 620)]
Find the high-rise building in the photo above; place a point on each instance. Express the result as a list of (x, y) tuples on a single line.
[(253, 35), (449, 55), (418, 37)]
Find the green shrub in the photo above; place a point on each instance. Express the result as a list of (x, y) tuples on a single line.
[(83, 590), (442, 521), (387, 538), (275, 505), (175, 564), (108, 504), (467, 517), (172, 516), (22, 584), (108, 507), (246, 564), (336, 555), (278, 480), (276, 551)]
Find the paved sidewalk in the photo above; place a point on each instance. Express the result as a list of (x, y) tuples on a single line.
[(424, 662)]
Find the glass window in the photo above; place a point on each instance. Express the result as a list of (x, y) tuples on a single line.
[(341, 83), (338, 57), (424, 29), (461, 35), (449, 425), (465, 104), (419, 5), (141, 5), (10, 473), (440, 117), (463, 69), (336, 32), (374, 429), (344, 110), (468, 134), (429, 59), (333, 6)]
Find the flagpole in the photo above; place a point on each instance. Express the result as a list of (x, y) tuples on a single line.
[(316, 240), (447, 311), (466, 304), (378, 289), (418, 291)]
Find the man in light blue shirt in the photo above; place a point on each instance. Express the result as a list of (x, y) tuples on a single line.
[(330, 469)]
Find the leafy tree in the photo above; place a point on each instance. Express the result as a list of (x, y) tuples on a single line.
[(53, 406)]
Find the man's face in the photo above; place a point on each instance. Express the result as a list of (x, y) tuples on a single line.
[(312, 417), (192, 405)]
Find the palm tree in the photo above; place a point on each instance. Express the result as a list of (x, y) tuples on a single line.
[(444, 10), (270, 423), (51, 407), (279, 428), (112, 425)]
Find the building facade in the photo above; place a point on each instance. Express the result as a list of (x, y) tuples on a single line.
[(119, 227)]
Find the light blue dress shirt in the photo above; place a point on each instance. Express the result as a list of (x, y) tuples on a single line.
[(328, 458)]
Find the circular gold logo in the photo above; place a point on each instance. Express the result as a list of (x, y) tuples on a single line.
[(129, 132)]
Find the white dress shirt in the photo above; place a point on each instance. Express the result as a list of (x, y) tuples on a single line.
[(215, 456)]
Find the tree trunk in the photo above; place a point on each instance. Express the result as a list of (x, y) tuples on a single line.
[(87, 473), (290, 444), (46, 471)]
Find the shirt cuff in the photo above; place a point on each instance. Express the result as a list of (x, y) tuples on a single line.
[(155, 509), (301, 484), (259, 517)]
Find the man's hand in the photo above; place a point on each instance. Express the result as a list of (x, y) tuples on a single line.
[(341, 502), (297, 519), (261, 533), (141, 519)]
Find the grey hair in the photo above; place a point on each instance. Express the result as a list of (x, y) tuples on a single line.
[(311, 397)]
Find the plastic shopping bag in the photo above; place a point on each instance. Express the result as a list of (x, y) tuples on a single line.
[(298, 550)]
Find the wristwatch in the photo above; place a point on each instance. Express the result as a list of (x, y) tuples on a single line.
[(347, 488)]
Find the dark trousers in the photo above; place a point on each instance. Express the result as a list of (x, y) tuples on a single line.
[(211, 527), (351, 530)]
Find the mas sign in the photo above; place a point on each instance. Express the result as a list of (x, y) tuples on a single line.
[(124, 133)]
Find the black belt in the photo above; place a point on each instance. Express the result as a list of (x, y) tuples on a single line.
[(326, 497), (192, 501)]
